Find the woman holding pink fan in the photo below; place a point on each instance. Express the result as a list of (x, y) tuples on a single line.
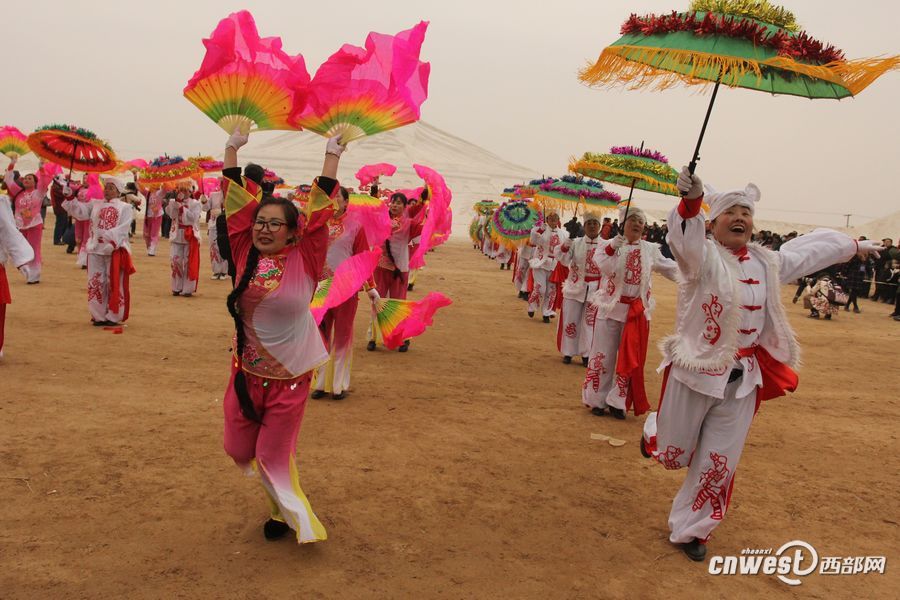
[(279, 257)]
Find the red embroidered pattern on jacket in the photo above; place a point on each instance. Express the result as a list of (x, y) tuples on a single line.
[(714, 487), (554, 242), (712, 310), (95, 293), (611, 285), (107, 218), (335, 230), (633, 269), (590, 264), (594, 371), (669, 458), (571, 330)]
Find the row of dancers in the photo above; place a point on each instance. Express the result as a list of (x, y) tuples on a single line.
[(733, 346), (277, 251)]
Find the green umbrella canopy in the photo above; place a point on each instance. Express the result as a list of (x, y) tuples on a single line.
[(485, 207), (625, 165), (511, 224), (574, 191), (743, 43)]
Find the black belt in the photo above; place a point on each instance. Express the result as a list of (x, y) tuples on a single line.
[(735, 375)]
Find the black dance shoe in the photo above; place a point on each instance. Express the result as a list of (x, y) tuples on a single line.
[(695, 550), (584, 360), (567, 360), (370, 346), (618, 413), (597, 411), (546, 319), (274, 530), (317, 394), (340, 396)]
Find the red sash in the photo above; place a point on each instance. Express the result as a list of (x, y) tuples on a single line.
[(120, 264), (193, 253), (633, 355), (558, 276), (5, 296), (777, 377)]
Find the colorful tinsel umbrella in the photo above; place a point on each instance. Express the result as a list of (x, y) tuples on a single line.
[(575, 191), (166, 169), (367, 173), (270, 176), (739, 43), (364, 91), (511, 224), (514, 192), (246, 80), (438, 220), (485, 207), (630, 167), (399, 320), (13, 142), (73, 148), (207, 164)]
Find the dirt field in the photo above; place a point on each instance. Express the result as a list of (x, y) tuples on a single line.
[(463, 469)]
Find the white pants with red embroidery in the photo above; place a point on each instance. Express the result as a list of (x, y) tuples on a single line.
[(219, 264), (543, 293), (576, 325), (598, 389), (98, 290), (181, 283), (706, 435)]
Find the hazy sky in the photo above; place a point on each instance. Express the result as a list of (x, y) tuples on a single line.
[(503, 75)]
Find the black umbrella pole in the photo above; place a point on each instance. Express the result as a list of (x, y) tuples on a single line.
[(631, 191), (72, 162), (696, 158)]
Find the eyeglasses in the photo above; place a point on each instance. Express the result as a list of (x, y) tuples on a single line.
[(272, 226)]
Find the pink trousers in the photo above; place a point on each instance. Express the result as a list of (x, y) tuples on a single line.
[(337, 332), (33, 237), (389, 286), (269, 448), (152, 227)]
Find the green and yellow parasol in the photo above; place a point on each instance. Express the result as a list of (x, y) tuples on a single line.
[(751, 44)]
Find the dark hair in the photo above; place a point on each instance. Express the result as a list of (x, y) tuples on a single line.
[(291, 217), (254, 173), (401, 196), (345, 194), (424, 195)]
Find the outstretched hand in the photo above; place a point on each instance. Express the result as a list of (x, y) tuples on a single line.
[(237, 139), (866, 248), (334, 146)]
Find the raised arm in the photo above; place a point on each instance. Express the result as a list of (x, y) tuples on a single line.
[(815, 251), (10, 180), (687, 227), (666, 267)]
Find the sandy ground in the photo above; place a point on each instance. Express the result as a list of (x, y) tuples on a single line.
[(463, 469)]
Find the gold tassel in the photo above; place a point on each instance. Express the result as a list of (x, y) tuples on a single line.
[(632, 66)]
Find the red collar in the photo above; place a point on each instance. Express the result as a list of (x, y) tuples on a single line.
[(741, 254)]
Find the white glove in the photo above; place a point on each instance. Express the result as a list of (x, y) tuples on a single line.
[(869, 247), (334, 146), (67, 191), (373, 294), (618, 242), (237, 139), (689, 185)]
